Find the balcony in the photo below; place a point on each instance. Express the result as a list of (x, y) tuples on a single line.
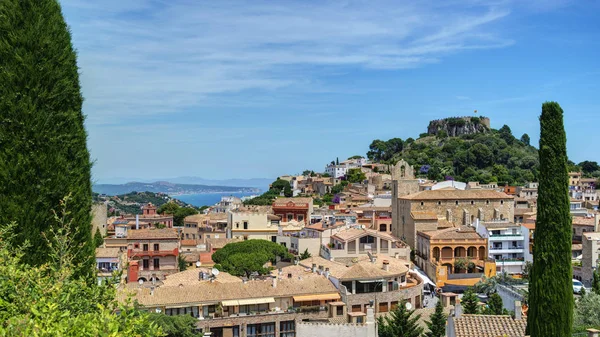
[(510, 262), (506, 249), (152, 253), (506, 237)]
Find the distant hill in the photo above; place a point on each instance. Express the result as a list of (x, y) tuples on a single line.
[(131, 203), (167, 188)]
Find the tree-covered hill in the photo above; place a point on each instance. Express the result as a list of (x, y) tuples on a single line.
[(131, 203), (494, 156)]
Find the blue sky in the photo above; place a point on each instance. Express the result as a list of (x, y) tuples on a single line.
[(242, 89)]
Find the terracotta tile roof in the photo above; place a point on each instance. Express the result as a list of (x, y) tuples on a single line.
[(454, 194), (319, 226), (282, 202), (253, 209), (152, 233), (363, 269), (355, 233), (190, 290), (424, 215), (198, 218), (454, 233), (108, 252), (218, 243), (190, 276), (489, 326), (583, 221), (190, 242), (592, 236)]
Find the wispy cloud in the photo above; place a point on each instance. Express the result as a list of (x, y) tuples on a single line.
[(463, 98), (156, 57)]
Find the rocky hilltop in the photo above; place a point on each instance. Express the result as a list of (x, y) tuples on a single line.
[(458, 126)]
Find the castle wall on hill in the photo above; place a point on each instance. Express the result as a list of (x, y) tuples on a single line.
[(458, 126)]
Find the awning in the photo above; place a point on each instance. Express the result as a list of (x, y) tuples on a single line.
[(317, 297), (423, 276), (230, 303), (262, 300)]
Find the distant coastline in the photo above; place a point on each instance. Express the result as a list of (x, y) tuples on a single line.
[(210, 199)]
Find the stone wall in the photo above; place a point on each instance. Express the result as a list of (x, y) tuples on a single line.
[(338, 330), (99, 218)]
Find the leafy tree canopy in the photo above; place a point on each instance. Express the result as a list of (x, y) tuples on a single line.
[(266, 199), (175, 326), (355, 175), (470, 302), (246, 257), (179, 213)]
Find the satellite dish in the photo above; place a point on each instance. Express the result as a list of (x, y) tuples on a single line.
[(215, 271), (408, 306), (141, 281), (198, 264)]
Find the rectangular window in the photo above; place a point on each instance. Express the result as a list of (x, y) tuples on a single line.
[(145, 264), (300, 217), (156, 247), (383, 307), (156, 264), (136, 246), (356, 308), (394, 305), (287, 329), (290, 217), (359, 320), (273, 238), (339, 310), (145, 247), (245, 224)]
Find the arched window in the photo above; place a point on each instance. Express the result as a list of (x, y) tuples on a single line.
[(402, 171)]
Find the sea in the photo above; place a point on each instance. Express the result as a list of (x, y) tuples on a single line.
[(209, 199)]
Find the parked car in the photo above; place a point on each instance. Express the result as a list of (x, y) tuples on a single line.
[(577, 286)]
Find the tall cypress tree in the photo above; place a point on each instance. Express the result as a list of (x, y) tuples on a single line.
[(550, 286), (43, 153), (437, 322)]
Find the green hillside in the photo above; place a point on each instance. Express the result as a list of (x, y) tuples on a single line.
[(491, 156), (131, 203)]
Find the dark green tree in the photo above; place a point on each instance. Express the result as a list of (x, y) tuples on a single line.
[(589, 166), (98, 239), (305, 255), (355, 175), (246, 257), (400, 322), (337, 161), (506, 134), (181, 263), (437, 322), (470, 302), (550, 285), (287, 191), (596, 282), (43, 152), (175, 326), (495, 305), (525, 139)]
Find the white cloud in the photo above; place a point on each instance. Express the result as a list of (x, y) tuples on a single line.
[(156, 57)]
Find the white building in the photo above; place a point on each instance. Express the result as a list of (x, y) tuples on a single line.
[(340, 170), (508, 245), (590, 256)]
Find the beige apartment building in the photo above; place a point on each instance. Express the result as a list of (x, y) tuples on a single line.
[(259, 222), (435, 209)]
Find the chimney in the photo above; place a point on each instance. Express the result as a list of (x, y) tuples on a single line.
[(327, 273), (596, 221), (314, 267), (137, 221), (518, 314), (289, 275), (593, 332), (151, 291), (320, 270), (386, 265), (274, 282), (457, 309)]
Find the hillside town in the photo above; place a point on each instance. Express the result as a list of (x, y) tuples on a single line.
[(386, 239)]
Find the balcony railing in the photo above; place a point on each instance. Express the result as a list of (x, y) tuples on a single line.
[(518, 259), (507, 248), (504, 235)]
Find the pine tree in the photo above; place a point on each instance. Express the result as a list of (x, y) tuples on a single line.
[(400, 322), (495, 305), (596, 282), (43, 153), (437, 323), (470, 302), (98, 239), (550, 285)]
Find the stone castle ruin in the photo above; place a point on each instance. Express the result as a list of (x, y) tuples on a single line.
[(458, 126)]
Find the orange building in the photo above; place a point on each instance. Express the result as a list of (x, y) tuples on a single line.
[(293, 209), (454, 256)]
